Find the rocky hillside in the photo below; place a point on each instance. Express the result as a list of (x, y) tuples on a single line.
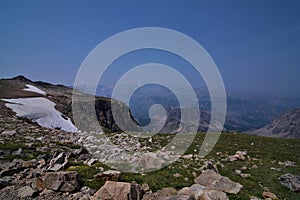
[(61, 96), (53, 164), (286, 125)]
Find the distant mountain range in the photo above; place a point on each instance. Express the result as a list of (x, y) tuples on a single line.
[(263, 115), (244, 111)]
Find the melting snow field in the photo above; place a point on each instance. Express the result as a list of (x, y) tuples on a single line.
[(42, 111), (32, 88)]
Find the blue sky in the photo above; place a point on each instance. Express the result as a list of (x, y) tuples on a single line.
[(255, 44)]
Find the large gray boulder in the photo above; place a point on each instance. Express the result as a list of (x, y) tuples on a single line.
[(290, 181)]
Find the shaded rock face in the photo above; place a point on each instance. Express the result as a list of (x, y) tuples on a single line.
[(61, 181), (215, 181), (290, 181), (117, 191)]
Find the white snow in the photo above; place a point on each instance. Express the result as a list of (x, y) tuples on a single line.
[(42, 111), (32, 88)]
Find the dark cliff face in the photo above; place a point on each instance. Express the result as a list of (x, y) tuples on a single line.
[(105, 116)]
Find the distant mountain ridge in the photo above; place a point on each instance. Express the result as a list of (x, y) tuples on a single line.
[(244, 112), (286, 125)]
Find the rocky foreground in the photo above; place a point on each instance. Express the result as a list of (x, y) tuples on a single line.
[(41, 163)]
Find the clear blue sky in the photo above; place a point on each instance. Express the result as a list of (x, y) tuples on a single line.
[(255, 44)]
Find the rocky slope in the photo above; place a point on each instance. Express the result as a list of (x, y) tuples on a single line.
[(62, 97), (286, 125)]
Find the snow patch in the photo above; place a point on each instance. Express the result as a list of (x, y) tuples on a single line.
[(32, 88), (42, 111)]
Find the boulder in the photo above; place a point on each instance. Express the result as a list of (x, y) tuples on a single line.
[(290, 181), (61, 181), (117, 191), (214, 181)]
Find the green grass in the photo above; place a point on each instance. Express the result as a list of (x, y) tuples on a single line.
[(263, 152)]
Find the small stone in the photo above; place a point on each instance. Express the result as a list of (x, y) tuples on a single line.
[(232, 158), (188, 157), (237, 171), (254, 167), (177, 175), (186, 179), (90, 162), (87, 190), (243, 175), (269, 195)]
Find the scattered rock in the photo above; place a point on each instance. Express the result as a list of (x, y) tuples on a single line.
[(90, 162), (110, 175), (209, 165), (215, 181), (269, 195), (211, 195), (276, 169), (244, 175), (6, 181), (177, 175), (150, 161), (254, 167), (178, 197), (287, 163), (8, 133), (87, 190), (290, 181), (160, 194), (58, 162), (188, 157), (117, 191), (25, 191), (61, 181)]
